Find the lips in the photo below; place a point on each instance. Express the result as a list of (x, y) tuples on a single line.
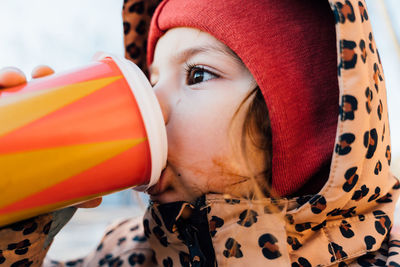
[(158, 188)]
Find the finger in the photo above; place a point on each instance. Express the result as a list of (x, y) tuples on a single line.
[(41, 71), (90, 203), (11, 76)]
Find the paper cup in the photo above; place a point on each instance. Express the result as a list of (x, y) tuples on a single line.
[(74, 136)]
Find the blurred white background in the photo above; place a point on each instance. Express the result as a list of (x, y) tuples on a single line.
[(66, 34), (62, 34)]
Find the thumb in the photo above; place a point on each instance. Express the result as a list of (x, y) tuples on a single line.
[(10, 77), (93, 203), (41, 71)]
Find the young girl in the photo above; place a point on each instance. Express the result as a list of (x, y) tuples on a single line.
[(262, 168)]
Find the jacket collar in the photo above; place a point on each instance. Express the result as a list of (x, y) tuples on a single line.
[(228, 230)]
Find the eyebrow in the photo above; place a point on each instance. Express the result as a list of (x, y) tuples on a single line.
[(191, 52), (186, 54)]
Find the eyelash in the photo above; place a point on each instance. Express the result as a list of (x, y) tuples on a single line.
[(190, 67)]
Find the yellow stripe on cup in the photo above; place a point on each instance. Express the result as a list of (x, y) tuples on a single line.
[(18, 110), (40, 169)]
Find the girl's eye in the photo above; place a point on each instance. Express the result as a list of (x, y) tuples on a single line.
[(196, 74)]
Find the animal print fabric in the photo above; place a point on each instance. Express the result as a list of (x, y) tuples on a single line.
[(26, 243), (348, 223), (136, 20)]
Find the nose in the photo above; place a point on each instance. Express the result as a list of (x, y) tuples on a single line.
[(163, 102)]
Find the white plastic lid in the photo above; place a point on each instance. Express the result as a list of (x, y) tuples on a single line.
[(150, 111)]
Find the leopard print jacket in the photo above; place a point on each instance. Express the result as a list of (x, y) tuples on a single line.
[(348, 223)]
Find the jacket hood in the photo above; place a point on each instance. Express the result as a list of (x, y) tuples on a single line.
[(360, 168), (352, 214)]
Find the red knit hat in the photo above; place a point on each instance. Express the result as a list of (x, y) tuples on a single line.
[(290, 48)]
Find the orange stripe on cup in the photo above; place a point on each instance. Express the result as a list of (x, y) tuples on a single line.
[(41, 169), (18, 110), (95, 179), (110, 113)]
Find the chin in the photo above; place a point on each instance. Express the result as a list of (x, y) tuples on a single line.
[(166, 197), (170, 196)]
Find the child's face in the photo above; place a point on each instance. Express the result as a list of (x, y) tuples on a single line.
[(200, 84)]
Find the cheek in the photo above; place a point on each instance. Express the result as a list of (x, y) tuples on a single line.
[(199, 128), (203, 145)]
